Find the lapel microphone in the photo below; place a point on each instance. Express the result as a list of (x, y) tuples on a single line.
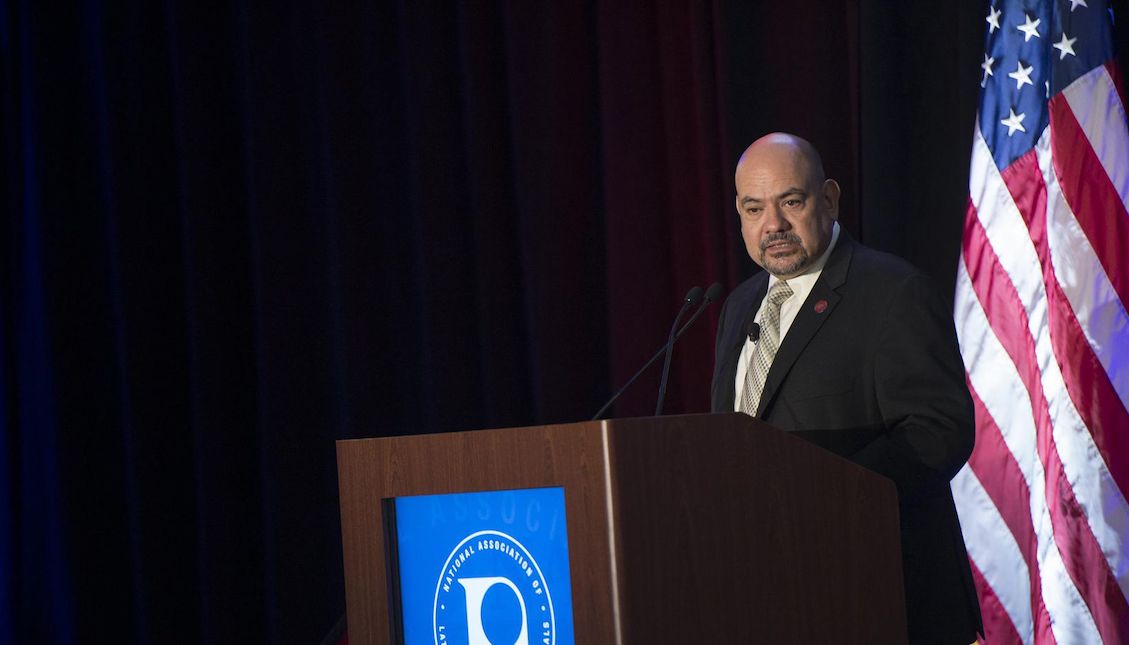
[(753, 330)]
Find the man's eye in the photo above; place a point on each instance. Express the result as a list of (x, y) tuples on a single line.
[(792, 202)]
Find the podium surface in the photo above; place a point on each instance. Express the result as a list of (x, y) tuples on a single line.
[(695, 528)]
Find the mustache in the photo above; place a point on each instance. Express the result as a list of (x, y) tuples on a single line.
[(782, 236)]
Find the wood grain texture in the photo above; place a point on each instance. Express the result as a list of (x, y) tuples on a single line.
[(733, 530)]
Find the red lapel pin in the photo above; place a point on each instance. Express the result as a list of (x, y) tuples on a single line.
[(821, 306)]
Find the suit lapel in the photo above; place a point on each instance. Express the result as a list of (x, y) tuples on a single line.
[(809, 319)]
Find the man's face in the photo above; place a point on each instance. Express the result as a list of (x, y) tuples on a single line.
[(787, 211)]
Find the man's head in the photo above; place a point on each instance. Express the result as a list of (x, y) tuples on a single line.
[(786, 204)]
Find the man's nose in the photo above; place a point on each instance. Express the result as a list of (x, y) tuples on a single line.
[(774, 219)]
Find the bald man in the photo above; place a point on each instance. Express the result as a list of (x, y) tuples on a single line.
[(854, 350)]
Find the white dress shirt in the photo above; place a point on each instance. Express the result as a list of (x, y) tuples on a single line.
[(801, 287)]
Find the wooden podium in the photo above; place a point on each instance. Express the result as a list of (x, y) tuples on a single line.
[(682, 529)]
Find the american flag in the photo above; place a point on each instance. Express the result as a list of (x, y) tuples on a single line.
[(1040, 310)]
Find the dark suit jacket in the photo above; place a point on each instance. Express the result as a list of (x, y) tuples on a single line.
[(870, 370)]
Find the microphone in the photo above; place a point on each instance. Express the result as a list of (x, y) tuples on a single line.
[(753, 330), (692, 298), (713, 294)]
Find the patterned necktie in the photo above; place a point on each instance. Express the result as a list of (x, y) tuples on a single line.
[(765, 349)]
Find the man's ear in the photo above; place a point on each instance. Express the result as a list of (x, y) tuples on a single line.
[(831, 197), (737, 204)]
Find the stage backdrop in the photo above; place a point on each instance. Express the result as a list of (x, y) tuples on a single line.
[(236, 232)]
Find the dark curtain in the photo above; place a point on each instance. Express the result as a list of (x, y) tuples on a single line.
[(235, 233)]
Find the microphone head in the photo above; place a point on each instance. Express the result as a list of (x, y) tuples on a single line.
[(693, 296), (714, 292)]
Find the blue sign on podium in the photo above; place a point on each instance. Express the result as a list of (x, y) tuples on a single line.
[(484, 568)]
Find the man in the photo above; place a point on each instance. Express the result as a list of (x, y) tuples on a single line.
[(854, 350)]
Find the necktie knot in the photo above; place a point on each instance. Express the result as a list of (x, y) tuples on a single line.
[(779, 293)]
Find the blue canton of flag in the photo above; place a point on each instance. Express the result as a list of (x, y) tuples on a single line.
[(1034, 50)]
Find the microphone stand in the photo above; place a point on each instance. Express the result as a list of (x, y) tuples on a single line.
[(711, 295)]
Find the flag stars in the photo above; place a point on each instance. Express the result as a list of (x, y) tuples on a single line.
[(1014, 122), (1074, 4), (1022, 75), (987, 67), (1065, 46), (993, 19), (1030, 29)]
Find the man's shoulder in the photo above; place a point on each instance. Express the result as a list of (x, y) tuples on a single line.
[(872, 263), (877, 277)]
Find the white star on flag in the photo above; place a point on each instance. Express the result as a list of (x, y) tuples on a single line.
[(1065, 46), (1014, 122), (987, 67), (1030, 29), (1075, 3), (1021, 74), (993, 19)]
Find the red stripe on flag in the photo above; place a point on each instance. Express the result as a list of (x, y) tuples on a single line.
[(1080, 550), (1092, 196), (1003, 481), (1086, 379), (998, 628), (999, 299)]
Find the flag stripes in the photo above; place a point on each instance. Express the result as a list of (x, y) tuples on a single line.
[(1006, 481), (1014, 602), (1101, 204), (1019, 316), (1001, 393), (995, 614), (1088, 378)]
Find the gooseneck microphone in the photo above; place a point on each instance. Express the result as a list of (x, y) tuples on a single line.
[(692, 298), (712, 295)]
